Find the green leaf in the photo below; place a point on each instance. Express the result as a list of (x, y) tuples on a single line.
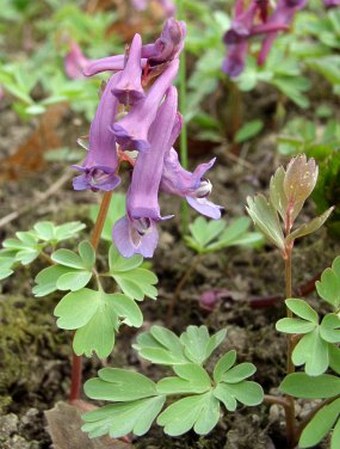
[(6, 264), (68, 258), (77, 308), (137, 283), (335, 439), (44, 230), (302, 309), (118, 420), (239, 373), (334, 358), (301, 385), (277, 194), (47, 279), (119, 263), (294, 326), (68, 230), (126, 307), (192, 379), (320, 425), (87, 254), (328, 287), (224, 364), (231, 234), (74, 280), (161, 346), (195, 340), (311, 351), (309, 228), (199, 411), (330, 328), (98, 334), (248, 131), (246, 392), (265, 217), (215, 341), (204, 231), (119, 385)]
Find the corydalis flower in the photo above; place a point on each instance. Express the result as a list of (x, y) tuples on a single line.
[(132, 130), (75, 62), (169, 45), (192, 186), (236, 38), (280, 18), (331, 3), (100, 165), (137, 231)]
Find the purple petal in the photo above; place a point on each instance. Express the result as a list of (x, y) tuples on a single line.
[(142, 200), (101, 163), (128, 88), (205, 207), (75, 62), (132, 131), (129, 241)]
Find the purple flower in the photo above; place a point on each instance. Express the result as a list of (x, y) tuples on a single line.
[(169, 45), (281, 18), (100, 166), (236, 38), (75, 62), (132, 130), (193, 186), (331, 3), (128, 88), (137, 231)]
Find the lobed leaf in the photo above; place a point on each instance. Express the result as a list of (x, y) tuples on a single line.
[(328, 287), (118, 263), (200, 412), (118, 420), (47, 278), (238, 373), (302, 309), (277, 194), (119, 385), (246, 392), (68, 258), (224, 364), (330, 328), (266, 219), (191, 378), (311, 351), (294, 326), (137, 283), (74, 280)]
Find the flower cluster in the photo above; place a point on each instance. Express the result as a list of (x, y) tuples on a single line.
[(137, 115), (256, 20)]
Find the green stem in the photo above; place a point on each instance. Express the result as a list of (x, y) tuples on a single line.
[(184, 134), (76, 370)]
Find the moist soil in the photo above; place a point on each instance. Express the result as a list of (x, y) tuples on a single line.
[(35, 356)]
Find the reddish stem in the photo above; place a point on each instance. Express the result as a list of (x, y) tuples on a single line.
[(76, 371)]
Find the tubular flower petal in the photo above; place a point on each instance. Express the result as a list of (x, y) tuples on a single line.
[(100, 166), (75, 62), (280, 18), (128, 88), (132, 130), (137, 233), (236, 38), (169, 45), (193, 186)]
